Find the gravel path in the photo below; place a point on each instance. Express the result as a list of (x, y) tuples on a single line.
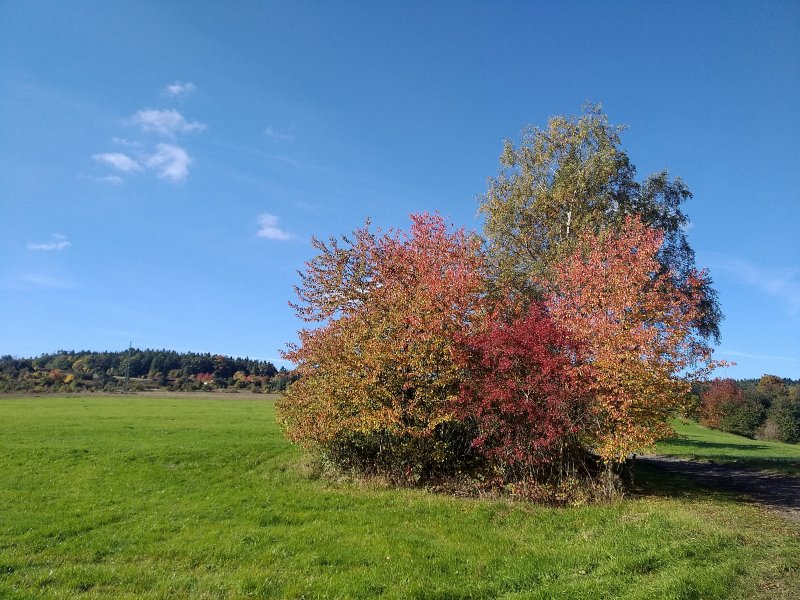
[(780, 493)]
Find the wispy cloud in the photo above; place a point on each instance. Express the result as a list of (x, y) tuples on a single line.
[(768, 357), (278, 136), (169, 161), (779, 282), (268, 228), (57, 242), (127, 143), (172, 162), (164, 122), (35, 280), (119, 161), (114, 179), (179, 88)]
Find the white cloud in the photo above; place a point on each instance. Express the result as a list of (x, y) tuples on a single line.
[(767, 357), (172, 162), (164, 122), (119, 161), (278, 136), (179, 88), (781, 283), (57, 242), (268, 228)]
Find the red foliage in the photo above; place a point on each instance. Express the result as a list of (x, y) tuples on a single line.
[(721, 391), (525, 390)]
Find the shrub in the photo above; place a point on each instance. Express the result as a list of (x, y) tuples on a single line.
[(742, 416), (379, 373), (526, 397), (783, 420)]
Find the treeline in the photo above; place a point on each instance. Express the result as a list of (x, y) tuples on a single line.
[(767, 408), (81, 371)]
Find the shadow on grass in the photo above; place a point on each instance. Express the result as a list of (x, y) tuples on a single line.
[(733, 455), (645, 479), (688, 443), (670, 477)]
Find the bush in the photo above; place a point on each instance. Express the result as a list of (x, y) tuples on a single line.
[(526, 398), (379, 373), (783, 420), (742, 416)]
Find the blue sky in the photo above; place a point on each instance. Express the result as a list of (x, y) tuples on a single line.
[(165, 164)]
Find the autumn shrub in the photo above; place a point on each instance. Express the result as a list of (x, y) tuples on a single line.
[(525, 391), (421, 366), (641, 331), (378, 373), (720, 392)]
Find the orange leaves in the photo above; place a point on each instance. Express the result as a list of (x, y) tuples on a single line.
[(381, 364), (640, 328)]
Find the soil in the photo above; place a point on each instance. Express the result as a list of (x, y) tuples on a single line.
[(780, 493)]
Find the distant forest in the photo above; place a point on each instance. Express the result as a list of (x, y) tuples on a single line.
[(85, 371)]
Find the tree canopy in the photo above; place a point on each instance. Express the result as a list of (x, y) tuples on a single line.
[(572, 177)]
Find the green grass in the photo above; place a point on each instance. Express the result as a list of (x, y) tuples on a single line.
[(700, 443), (134, 497)]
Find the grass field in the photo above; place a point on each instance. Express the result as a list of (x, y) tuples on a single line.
[(142, 497), (700, 443)]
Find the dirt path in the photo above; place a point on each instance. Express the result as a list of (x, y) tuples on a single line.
[(780, 493)]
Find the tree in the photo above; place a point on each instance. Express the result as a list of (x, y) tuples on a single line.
[(378, 373), (742, 416), (639, 328), (721, 392), (573, 177), (772, 386)]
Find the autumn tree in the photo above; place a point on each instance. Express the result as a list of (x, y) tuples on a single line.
[(575, 332), (640, 329), (573, 177), (719, 393), (378, 372), (772, 386)]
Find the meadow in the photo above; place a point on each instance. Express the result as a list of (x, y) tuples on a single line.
[(187, 497), (700, 443)]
